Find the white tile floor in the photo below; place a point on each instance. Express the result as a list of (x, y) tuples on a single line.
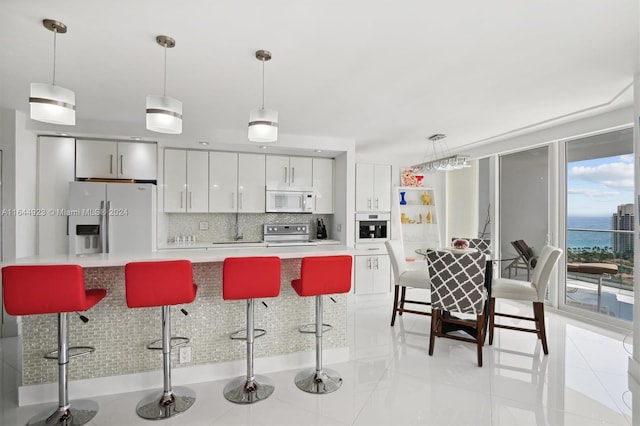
[(391, 380)]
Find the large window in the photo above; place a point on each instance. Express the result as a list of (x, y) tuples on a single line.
[(599, 223)]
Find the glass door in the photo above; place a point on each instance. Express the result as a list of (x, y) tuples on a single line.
[(524, 207), (599, 225)]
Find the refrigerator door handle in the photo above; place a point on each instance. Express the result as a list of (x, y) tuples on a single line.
[(111, 164), (106, 231), (103, 229)]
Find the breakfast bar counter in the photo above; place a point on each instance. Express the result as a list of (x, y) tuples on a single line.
[(121, 362)]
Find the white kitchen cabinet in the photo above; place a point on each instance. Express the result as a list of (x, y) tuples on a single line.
[(373, 188), (56, 159), (372, 274), (237, 182), (251, 183), (282, 171), (323, 170), (186, 181), (116, 160)]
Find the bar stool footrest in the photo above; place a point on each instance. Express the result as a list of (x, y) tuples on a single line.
[(79, 412), (242, 334), (175, 342), (311, 328), (74, 351), (157, 405), (318, 382)]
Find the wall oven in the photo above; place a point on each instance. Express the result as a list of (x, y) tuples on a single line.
[(372, 227)]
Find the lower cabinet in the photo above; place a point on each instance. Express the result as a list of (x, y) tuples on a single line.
[(372, 274)]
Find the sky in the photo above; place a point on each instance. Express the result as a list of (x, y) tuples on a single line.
[(596, 187)]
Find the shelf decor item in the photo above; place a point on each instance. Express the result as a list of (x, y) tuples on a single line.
[(402, 200), (408, 178)]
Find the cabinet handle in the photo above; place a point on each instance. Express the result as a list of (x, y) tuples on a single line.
[(240, 202), (233, 200), (293, 175), (122, 164), (377, 203), (180, 199), (368, 263), (376, 263), (190, 199), (111, 164), (369, 203), (285, 175)]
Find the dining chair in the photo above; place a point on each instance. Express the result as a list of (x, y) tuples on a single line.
[(403, 278), (457, 286), (530, 291)]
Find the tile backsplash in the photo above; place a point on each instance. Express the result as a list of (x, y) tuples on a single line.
[(222, 226)]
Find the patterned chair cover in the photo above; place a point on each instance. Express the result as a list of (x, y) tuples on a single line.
[(457, 281), (483, 245)]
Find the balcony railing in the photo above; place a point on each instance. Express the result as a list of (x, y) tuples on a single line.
[(607, 294)]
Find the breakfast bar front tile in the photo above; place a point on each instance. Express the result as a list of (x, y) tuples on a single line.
[(120, 335)]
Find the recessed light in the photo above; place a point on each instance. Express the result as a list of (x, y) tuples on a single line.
[(136, 138), (203, 143), (263, 147), (318, 150), (63, 134)]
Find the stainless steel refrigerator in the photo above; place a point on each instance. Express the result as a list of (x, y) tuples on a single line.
[(111, 217)]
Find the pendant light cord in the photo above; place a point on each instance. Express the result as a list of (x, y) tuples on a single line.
[(55, 34), (263, 84), (164, 87)]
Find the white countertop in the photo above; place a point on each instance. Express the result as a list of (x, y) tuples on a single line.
[(195, 256), (229, 244)]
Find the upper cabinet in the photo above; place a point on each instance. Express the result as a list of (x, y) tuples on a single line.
[(236, 182), (373, 187), (116, 160), (323, 169), (289, 171), (186, 179)]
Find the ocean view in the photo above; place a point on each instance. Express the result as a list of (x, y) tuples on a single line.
[(579, 239)]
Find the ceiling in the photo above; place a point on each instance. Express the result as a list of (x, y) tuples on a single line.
[(386, 74)]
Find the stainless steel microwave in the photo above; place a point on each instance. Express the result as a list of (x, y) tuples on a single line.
[(290, 200)]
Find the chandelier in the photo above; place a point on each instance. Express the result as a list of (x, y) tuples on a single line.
[(442, 158)]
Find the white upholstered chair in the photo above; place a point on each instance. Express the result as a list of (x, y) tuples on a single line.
[(529, 291), (403, 278)]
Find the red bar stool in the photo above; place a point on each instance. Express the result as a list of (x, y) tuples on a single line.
[(249, 278), (320, 275), (54, 289), (153, 284)]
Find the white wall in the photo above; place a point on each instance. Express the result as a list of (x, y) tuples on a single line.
[(462, 203)]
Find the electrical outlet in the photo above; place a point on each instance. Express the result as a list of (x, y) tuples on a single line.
[(185, 354), (204, 225)]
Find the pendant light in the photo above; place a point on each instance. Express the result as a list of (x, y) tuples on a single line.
[(50, 103), (164, 114), (263, 123)]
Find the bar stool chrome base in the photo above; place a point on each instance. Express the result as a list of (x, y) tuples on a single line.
[(324, 381), (79, 412), (158, 405), (243, 390)]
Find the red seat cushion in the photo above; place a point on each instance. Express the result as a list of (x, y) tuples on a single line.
[(46, 289), (250, 277), (324, 275), (162, 283)]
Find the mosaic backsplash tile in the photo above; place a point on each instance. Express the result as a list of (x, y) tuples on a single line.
[(222, 226), (120, 334)]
